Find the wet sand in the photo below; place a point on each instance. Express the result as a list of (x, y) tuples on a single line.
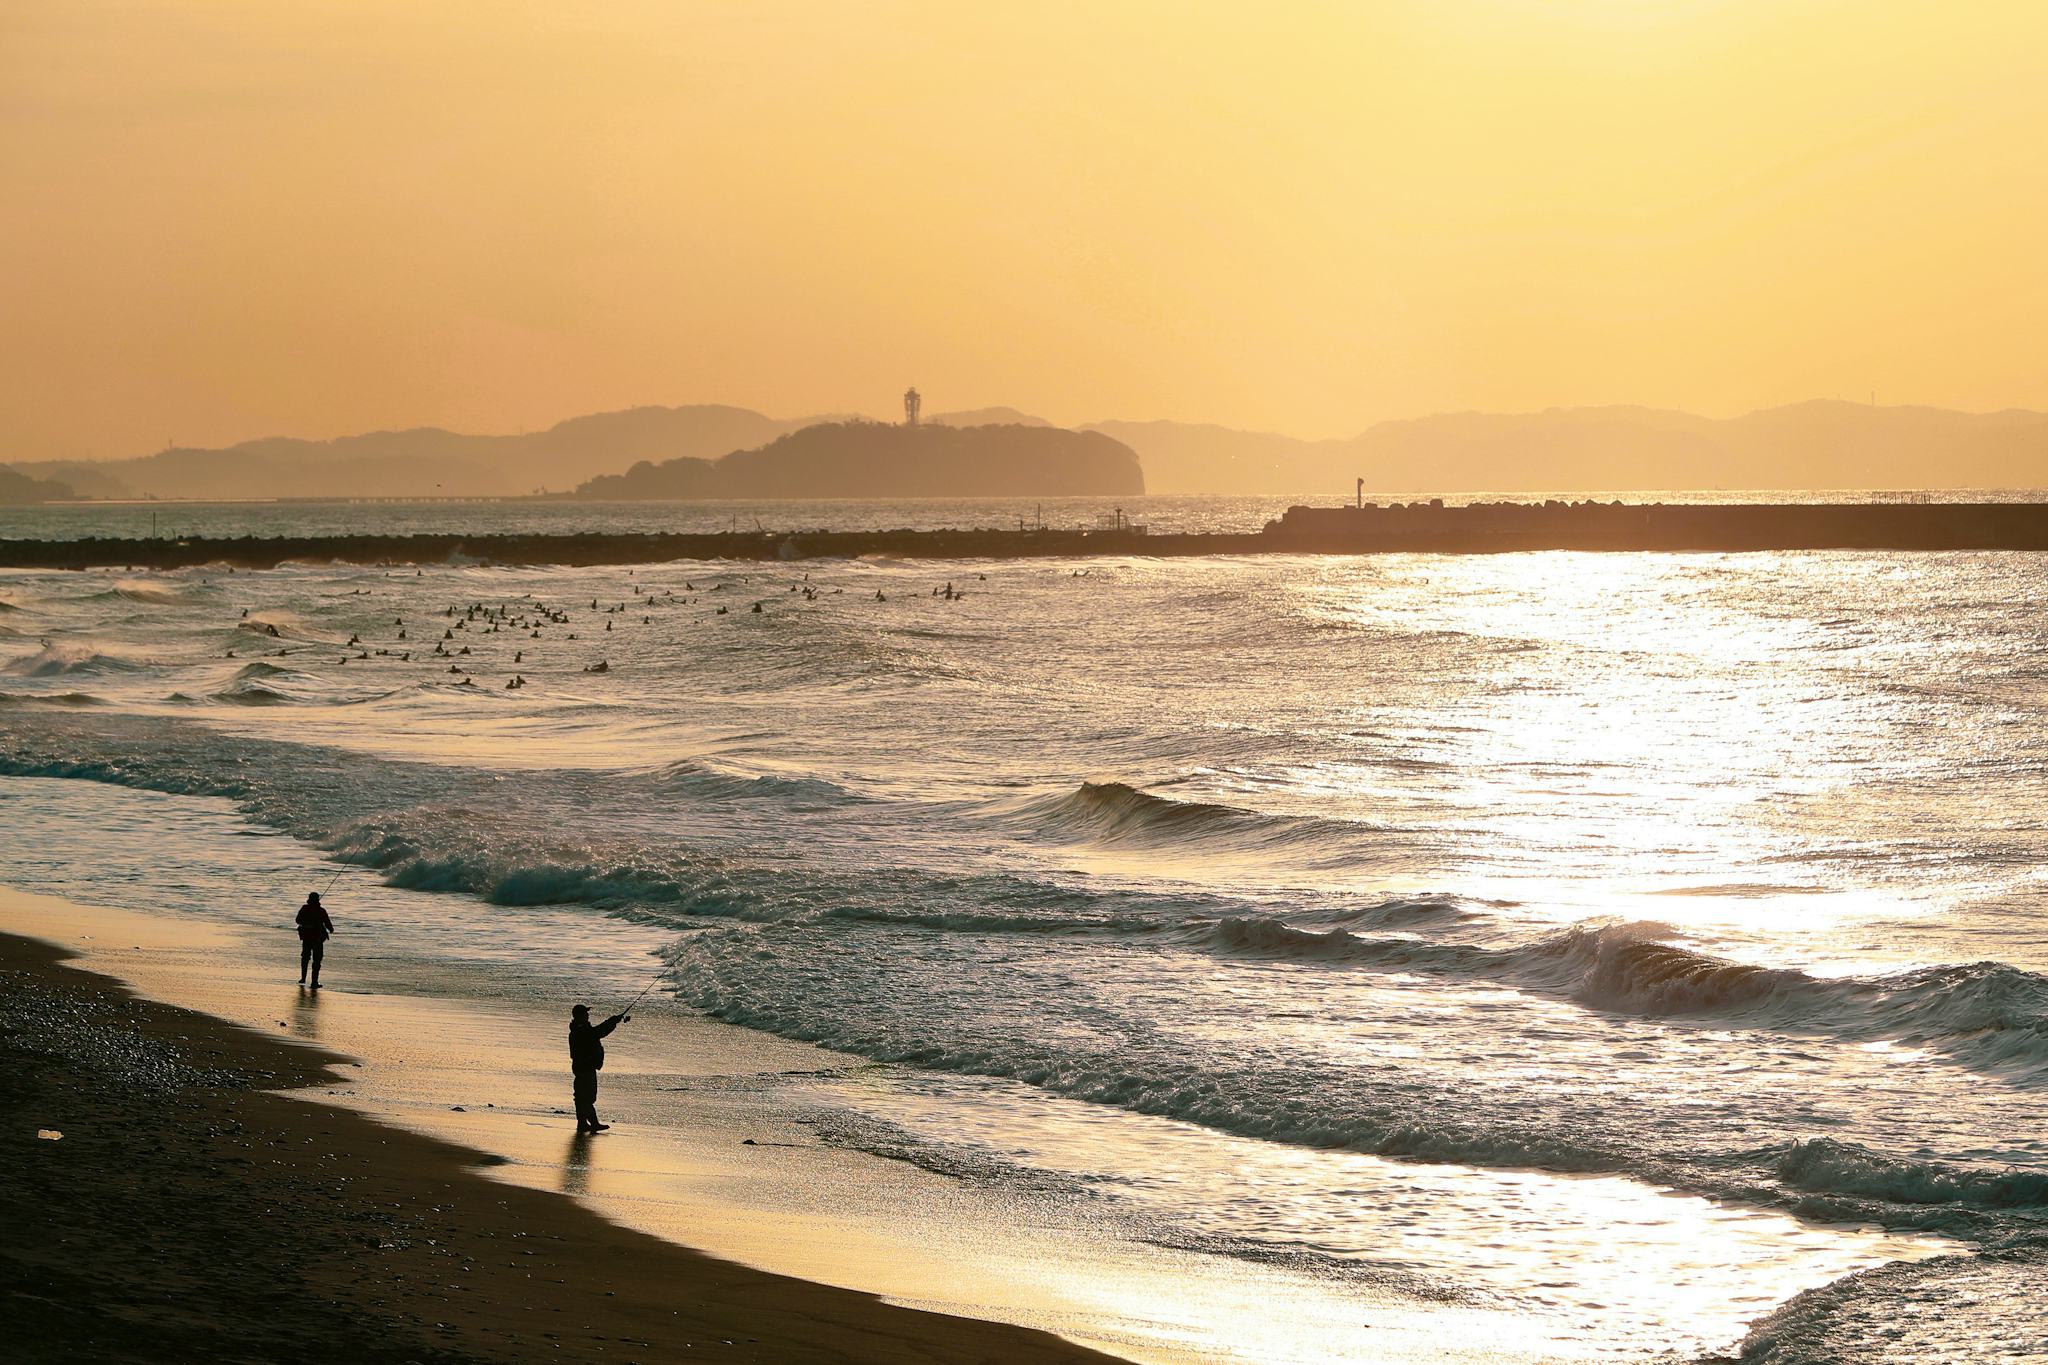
[(189, 1212), (715, 1147)]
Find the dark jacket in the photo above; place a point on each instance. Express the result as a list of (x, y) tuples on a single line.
[(586, 1050), (313, 923)]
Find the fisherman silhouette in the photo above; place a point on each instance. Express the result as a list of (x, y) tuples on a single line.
[(314, 930), (586, 1059)]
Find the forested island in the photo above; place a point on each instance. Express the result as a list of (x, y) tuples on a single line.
[(860, 459)]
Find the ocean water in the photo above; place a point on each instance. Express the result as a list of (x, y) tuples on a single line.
[(1656, 945)]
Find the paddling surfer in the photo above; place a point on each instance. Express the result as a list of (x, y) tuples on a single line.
[(314, 931), (586, 1059)]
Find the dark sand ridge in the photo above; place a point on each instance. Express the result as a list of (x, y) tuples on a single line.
[(189, 1214)]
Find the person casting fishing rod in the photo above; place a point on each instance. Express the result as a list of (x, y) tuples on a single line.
[(586, 1059), (586, 1055)]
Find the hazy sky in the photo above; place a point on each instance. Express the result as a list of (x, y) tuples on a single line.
[(225, 220)]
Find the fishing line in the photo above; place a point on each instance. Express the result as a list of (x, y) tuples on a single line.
[(644, 989)]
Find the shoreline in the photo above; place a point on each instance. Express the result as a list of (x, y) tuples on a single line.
[(717, 1145), (673, 1206), (712, 1153), (189, 1143), (466, 1049)]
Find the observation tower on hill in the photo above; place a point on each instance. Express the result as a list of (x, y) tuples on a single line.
[(912, 404)]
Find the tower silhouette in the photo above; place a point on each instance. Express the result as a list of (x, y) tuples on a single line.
[(912, 403)]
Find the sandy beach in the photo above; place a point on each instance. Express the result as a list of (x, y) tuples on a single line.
[(166, 1197), (714, 1148)]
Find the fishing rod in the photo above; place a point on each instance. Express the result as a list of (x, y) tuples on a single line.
[(322, 892), (646, 988)]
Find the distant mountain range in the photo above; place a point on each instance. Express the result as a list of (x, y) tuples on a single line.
[(1806, 445), (425, 461), (862, 459)]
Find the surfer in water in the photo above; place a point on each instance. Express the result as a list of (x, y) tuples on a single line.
[(315, 928), (586, 1059)]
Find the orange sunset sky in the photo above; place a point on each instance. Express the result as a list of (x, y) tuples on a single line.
[(226, 220)]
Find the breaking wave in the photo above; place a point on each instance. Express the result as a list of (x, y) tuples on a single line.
[(1632, 968), (1826, 1166), (65, 659), (1118, 815), (1989, 1015), (1258, 1093), (66, 699), (250, 694), (710, 784), (149, 594), (251, 685), (259, 669), (1261, 937)]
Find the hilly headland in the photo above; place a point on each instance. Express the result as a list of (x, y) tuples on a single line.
[(19, 490), (860, 459)]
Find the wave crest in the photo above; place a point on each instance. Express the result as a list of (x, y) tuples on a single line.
[(259, 669), (250, 694), (1630, 967), (67, 699), (1118, 815), (1826, 1166), (66, 658), (797, 793), (147, 594)]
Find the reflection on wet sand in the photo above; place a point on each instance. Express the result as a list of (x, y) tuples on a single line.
[(576, 1164), (305, 1016)]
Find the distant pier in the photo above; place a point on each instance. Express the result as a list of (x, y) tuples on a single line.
[(1420, 528)]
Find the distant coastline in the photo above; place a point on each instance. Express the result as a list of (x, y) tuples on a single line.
[(1820, 444)]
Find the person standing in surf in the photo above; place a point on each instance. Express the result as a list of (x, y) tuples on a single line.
[(586, 1059), (314, 931)]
